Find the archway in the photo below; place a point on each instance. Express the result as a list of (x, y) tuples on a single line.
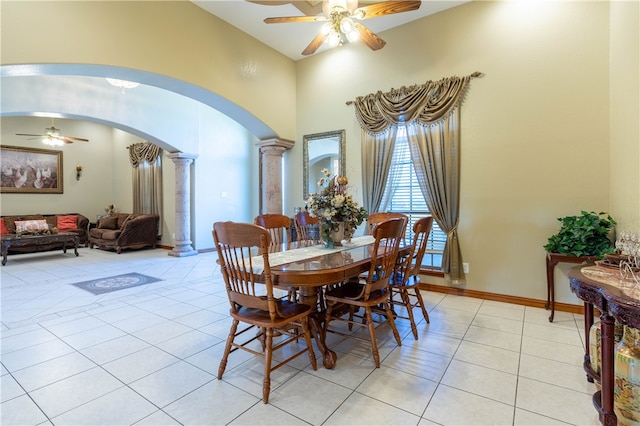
[(162, 110)]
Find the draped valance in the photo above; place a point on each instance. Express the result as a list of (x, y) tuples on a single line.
[(145, 151), (425, 103)]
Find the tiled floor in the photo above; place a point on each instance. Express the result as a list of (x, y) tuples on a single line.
[(149, 355)]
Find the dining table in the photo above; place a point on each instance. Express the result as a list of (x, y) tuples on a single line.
[(309, 267)]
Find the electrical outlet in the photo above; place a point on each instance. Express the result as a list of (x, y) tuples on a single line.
[(173, 236), (465, 268)]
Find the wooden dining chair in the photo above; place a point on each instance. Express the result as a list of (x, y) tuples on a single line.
[(405, 279), (278, 226), (253, 303), (370, 294), (375, 218), (306, 226)]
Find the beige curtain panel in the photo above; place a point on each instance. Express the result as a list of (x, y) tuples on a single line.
[(146, 163), (430, 112), (377, 151)]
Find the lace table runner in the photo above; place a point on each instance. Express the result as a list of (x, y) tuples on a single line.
[(295, 255)]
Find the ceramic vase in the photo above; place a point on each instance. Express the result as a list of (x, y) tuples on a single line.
[(595, 353), (338, 236), (626, 389)]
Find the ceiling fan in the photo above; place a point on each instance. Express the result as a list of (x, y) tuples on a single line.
[(341, 18), (53, 136)]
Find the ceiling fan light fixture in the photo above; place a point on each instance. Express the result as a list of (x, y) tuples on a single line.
[(358, 14), (346, 25), (52, 141), (334, 39), (353, 35), (326, 29)]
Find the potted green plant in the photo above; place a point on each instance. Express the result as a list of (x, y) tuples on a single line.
[(583, 235)]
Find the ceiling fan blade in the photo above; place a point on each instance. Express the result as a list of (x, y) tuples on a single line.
[(386, 8), (314, 45), (307, 7), (369, 38), (269, 2), (284, 19), (29, 134), (71, 138)]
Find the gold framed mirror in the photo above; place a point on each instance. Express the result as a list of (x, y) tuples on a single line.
[(322, 151)]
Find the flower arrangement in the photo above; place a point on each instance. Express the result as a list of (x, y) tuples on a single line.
[(335, 208)]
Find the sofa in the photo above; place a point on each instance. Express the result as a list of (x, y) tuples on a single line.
[(120, 231), (74, 223)]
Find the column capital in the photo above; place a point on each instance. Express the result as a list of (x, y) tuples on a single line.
[(182, 156), (275, 142)]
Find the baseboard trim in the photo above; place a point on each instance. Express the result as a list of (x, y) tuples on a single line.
[(535, 303)]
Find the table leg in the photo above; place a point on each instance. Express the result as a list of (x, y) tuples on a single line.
[(588, 322), (310, 296), (551, 298), (64, 246), (5, 250), (76, 242), (607, 415)]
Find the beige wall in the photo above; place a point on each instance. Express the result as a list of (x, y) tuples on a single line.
[(625, 114), (535, 126), (543, 136), (173, 38), (98, 158)]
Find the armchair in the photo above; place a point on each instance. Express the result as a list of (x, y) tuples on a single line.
[(125, 231)]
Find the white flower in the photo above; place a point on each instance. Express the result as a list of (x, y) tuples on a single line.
[(338, 201)]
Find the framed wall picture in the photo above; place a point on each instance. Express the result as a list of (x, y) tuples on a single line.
[(30, 170)]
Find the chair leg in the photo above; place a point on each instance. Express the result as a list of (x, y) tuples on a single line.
[(372, 334), (404, 294), (227, 348), (421, 303), (392, 323), (266, 383)]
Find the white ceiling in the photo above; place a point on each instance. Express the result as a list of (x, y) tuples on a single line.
[(290, 39)]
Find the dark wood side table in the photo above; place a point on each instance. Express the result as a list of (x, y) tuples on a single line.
[(552, 260), (617, 302)]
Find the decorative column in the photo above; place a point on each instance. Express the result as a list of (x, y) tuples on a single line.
[(182, 238), (271, 151)]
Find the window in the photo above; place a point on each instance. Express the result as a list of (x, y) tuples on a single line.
[(404, 195)]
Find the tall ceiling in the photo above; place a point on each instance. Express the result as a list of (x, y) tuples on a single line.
[(290, 39)]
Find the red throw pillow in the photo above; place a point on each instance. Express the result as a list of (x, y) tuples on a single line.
[(3, 227), (67, 222)]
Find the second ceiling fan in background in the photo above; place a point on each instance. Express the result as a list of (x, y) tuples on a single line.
[(53, 137), (341, 17)]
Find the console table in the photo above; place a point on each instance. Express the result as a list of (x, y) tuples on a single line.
[(618, 300), (552, 260), (12, 240)]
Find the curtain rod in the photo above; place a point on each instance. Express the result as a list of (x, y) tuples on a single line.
[(475, 74)]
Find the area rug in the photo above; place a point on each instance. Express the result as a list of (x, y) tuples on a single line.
[(116, 282)]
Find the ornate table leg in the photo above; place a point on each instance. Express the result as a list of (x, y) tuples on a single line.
[(607, 415), (588, 322), (310, 296)]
